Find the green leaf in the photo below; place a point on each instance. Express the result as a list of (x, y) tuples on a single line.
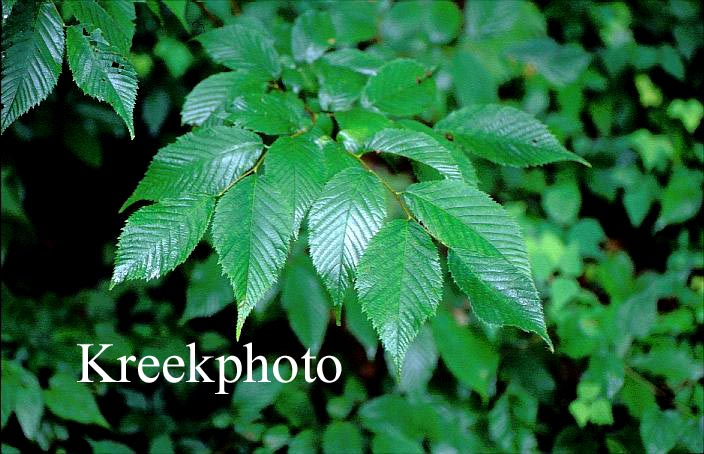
[(488, 259), (660, 430), (21, 389), (515, 21), (339, 87), (359, 61), (689, 112), (337, 159), (102, 72), (349, 212), (472, 81), (274, 113), (505, 135), (352, 21), (242, 48), (399, 283), (109, 447), (562, 202), (402, 87), (460, 158), (638, 397), (304, 442), (682, 197), (359, 326), (203, 162), (252, 227), (116, 29), (417, 146), (357, 126), (470, 358), (208, 290), (420, 363), (157, 238), (465, 218), (250, 398), (295, 164), (214, 94), (638, 198), (178, 8), (411, 24), (33, 49), (305, 301), (442, 22), (498, 293), (342, 436), (393, 415), (175, 55), (68, 399), (560, 64), (312, 34)]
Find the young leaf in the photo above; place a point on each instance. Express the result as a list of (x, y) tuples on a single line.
[(215, 94), (102, 72), (305, 301), (157, 238), (251, 231), (399, 283), (33, 48), (417, 146), (203, 162), (489, 261), (313, 33), (295, 164), (505, 135), (242, 48), (402, 87), (273, 113), (117, 29), (349, 212)]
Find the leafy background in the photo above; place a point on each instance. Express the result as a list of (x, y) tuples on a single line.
[(616, 251)]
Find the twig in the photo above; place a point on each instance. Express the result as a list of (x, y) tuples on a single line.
[(214, 20), (396, 194)]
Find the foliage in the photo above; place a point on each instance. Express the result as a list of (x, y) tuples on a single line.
[(339, 166), (97, 50), (260, 204)]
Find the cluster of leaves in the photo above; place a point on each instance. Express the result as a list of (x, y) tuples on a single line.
[(279, 142), (309, 161), (97, 48)]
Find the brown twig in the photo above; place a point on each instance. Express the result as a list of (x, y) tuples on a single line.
[(214, 20)]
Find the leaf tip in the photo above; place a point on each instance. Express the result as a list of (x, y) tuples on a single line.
[(238, 329), (338, 315), (544, 335)]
